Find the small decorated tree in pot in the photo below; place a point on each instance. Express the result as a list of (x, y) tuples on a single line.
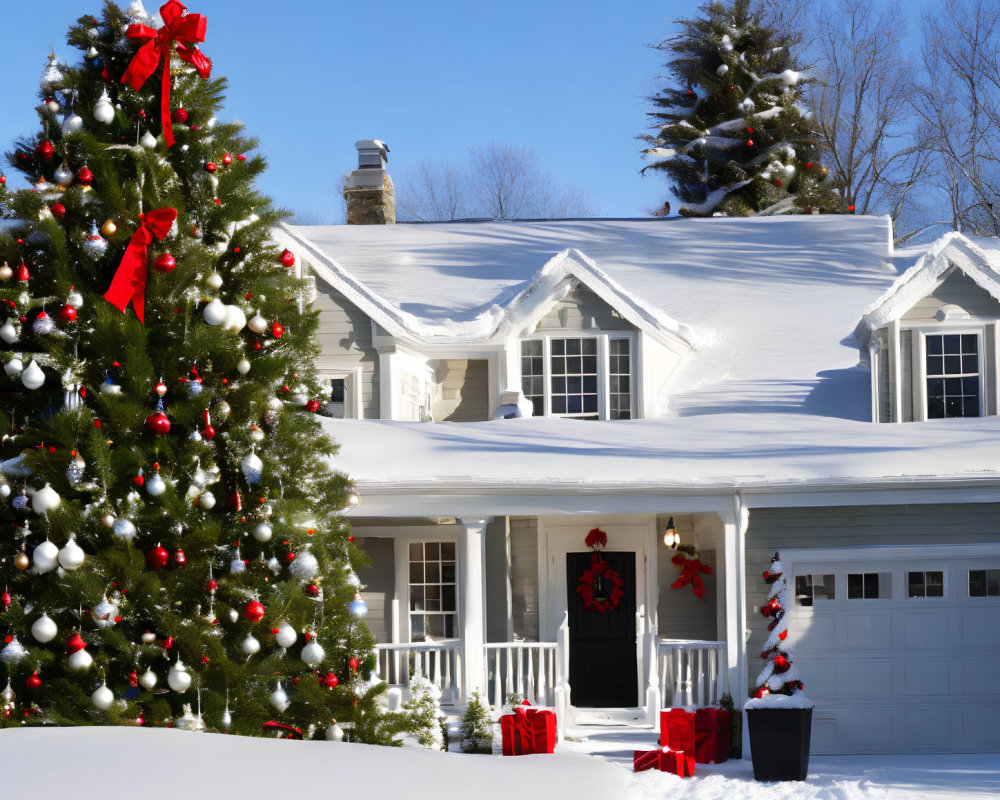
[(779, 714)]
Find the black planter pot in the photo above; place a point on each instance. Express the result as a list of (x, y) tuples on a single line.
[(779, 743)]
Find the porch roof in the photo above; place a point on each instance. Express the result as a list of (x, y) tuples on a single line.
[(762, 453)]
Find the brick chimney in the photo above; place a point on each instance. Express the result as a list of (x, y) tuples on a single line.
[(368, 190)]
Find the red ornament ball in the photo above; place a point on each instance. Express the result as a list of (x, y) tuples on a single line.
[(809, 165), (179, 558), (58, 210), (257, 345), (164, 263), (210, 166), (354, 663), (67, 313), (312, 590), (160, 388), (157, 558), (44, 151), (277, 331), (254, 611), (312, 406), (749, 142), (139, 480), (75, 643), (158, 423), (85, 176), (851, 209), (34, 681), (208, 432), (212, 585), (781, 664), (3, 180), (21, 273), (179, 115), (227, 159), (287, 258), (241, 157), (289, 557), (330, 681)]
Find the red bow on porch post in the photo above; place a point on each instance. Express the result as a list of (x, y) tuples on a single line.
[(177, 27), (129, 283)]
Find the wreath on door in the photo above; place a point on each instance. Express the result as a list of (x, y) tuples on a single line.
[(600, 587)]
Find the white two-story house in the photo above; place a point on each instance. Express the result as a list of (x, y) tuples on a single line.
[(758, 385)]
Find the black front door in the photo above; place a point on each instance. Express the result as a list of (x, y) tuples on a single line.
[(602, 665)]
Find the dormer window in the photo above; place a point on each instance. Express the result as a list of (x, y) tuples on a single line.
[(582, 377), (953, 375)]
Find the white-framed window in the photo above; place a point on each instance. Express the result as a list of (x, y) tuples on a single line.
[(984, 583), (924, 583), (952, 374), (584, 377), (432, 590), (810, 588), (343, 394), (869, 585)]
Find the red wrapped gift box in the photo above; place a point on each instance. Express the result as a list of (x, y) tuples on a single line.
[(712, 735), (665, 760), (528, 731), (677, 729)]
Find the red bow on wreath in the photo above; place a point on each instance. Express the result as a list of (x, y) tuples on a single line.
[(177, 27), (690, 567)]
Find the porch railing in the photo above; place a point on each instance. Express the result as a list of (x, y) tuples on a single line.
[(439, 662), (691, 673), (529, 669)]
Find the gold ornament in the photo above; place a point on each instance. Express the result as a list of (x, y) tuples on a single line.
[(22, 562), (6, 273), (108, 228), (108, 520)]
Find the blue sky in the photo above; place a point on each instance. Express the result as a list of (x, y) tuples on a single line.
[(432, 79)]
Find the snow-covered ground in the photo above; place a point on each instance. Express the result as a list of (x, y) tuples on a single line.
[(98, 763)]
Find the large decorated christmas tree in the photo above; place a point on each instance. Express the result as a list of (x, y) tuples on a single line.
[(731, 134), (169, 534)]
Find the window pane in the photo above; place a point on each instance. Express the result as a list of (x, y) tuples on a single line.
[(432, 572), (435, 625), (935, 365), (970, 343), (934, 345), (590, 403), (432, 550), (871, 584), (416, 598), (558, 405), (589, 347), (573, 385), (447, 551), (416, 551), (855, 586), (590, 384), (448, 573), (448, 598), (531, 347), (915, 585), (977, 583), (572, 347), (559, 386), (558, 347), (825, 589), (970, 364), (574, 404), (934, 581), (589, 364), (449, 626), (416, 572), (574, 365), (803, 590), (952, 365), (993, 582)]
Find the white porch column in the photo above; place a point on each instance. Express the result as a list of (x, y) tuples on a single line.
[(473, 608), (735, 524)]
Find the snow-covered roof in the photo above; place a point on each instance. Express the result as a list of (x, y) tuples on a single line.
[(770, 304), (978, 259)]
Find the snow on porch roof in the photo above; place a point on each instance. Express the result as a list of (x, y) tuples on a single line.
[(770, 304), (708, 452)]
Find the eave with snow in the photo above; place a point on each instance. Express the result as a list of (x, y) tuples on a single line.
[(731, 388)]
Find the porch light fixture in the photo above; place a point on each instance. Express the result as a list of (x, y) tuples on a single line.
[(671, 538)]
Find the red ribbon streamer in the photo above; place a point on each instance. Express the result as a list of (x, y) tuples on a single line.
[(129, 283), (177, 27)]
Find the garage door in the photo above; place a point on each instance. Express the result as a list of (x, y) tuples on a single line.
[(899, 648)]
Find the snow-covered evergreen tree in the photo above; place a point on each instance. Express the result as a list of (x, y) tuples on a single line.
[(477, 727), (424, 710), (779, 675), (731, 133), (169, 514)]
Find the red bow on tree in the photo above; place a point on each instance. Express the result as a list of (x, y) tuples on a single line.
[(129, 283), (177, 27), (690, 567)]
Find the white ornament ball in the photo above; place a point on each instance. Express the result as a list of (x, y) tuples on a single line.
[(179, 679), (80, 660), (104, 613), (252, 467), (334, 733), (148, 680), (45, 557), (75, 299), (313, 654), (257, 323), (103, 697), (8, 332), (44, 629), (7, 695), (233, 613), (242, 366), (124, 528), (72, 555), (156, 485), (235, 320), (286, 635), (250, 646), (13, 652), (279, 699), (148, 637), (4, 489), (43, 324), (63, 175), (33, 377), (256, 434), (214, 281), (214, 312), (104, 112), (207, 501), (304, 567), (13, 367), (148, 140), (236, 566), (45, 500), (72, 123), (262, 532)]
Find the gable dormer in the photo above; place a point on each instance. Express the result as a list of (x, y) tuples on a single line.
[(934, 337)]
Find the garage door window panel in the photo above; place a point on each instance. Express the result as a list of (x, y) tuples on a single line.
[(869, 586), (925, 584), (810, 588), (984, 583)]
